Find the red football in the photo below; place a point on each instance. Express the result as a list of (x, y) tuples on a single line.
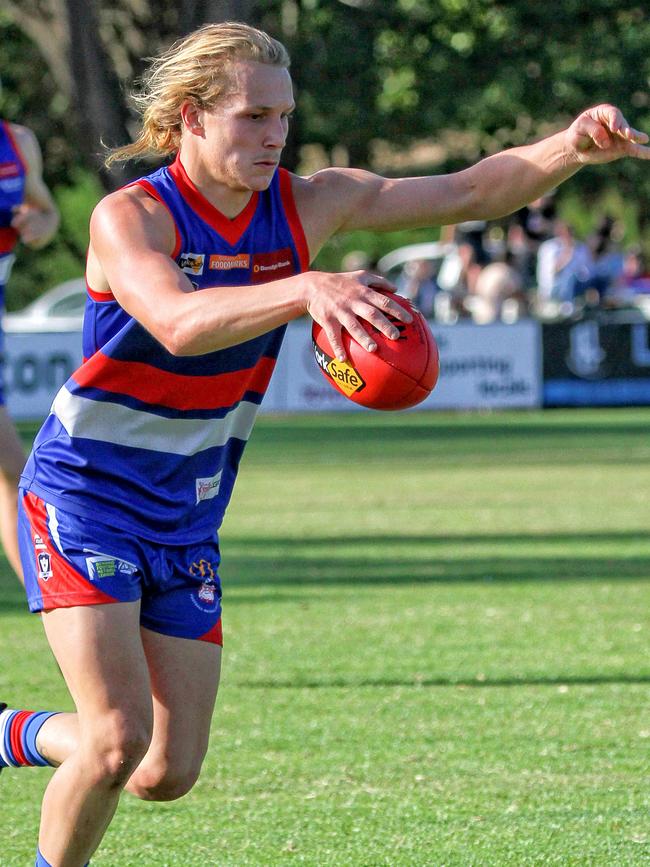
[(399, 374)]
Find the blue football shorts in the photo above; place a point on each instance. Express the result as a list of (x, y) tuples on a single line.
[(69, 560)]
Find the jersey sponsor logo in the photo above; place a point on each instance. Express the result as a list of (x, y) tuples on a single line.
[(218, 262), (273, 266), (44, 565), (344, 375), (191, 263), (102, 566), (208, 488)]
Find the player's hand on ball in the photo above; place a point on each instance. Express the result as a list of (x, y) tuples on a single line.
[(601, 135), (339, 302)]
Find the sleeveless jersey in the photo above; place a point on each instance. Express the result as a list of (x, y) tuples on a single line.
[(12, 192), (149, 442)]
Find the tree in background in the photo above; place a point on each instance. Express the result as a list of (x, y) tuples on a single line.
[(402, 86)]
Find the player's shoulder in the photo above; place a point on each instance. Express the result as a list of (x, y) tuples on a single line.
[(332, 181), (333, 192), (130, 210), (129, 202)]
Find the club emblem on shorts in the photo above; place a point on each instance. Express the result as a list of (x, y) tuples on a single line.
[(206, 592), (202, 569), (44, 565)]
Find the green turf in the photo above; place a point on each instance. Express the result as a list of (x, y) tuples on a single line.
[(436, 653)]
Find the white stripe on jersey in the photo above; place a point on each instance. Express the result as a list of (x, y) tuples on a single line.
[(120, 425), (5, 716)]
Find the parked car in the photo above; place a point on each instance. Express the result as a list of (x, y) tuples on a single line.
[(59, 309), (392, 264)]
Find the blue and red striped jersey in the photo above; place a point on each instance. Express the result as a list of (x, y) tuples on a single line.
[(12, 192), (149, 442)]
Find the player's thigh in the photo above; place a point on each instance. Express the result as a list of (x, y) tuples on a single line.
[(100, 653), (12, 455), (184, 682)]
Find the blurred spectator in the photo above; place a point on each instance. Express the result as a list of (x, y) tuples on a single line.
[(530, 227), (358, 260), (498, 293), (634, 278), (563, 263), (606, 265), (460, 269), (418, 284)]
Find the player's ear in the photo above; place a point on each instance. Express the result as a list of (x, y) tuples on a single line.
[(192, 117)]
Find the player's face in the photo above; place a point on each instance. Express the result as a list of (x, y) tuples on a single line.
[(246, 132)]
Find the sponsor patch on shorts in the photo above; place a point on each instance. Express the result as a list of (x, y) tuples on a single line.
[(102, 566)]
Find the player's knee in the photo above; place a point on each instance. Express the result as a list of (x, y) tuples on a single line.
[(163, 782), (118, 747)]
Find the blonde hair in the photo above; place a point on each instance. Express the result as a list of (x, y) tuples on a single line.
[(195, 68)]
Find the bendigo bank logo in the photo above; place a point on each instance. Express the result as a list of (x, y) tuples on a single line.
[(344, 376), (273, 266), (191, 263)]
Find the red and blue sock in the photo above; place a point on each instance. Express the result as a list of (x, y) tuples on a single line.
[(18, 732)]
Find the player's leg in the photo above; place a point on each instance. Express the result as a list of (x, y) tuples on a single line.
[(181, 635), (12, 460), (184, 680), (100, 653)]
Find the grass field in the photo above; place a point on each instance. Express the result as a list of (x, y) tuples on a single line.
[(436, 653)]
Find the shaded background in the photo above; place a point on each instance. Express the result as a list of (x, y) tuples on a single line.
[(398, 86)]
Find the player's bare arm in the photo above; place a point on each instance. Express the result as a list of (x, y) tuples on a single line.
[(346, 199), (37, 218), (130, 226)]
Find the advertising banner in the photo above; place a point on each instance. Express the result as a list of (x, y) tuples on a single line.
[(34, 367), (597, 362), (481, 366)]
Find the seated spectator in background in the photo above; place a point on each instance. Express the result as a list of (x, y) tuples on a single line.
[(530, 227), (498, 294), (418, 284), (634, 278), (460, 268), (562, 263), (358, 260), (606, 264)]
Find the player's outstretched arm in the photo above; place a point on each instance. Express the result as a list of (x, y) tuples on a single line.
[(495, 186), (37, 218)]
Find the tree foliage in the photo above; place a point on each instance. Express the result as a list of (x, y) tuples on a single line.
[(398, 85)]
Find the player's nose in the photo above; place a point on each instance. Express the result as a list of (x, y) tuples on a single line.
[(276, 133)]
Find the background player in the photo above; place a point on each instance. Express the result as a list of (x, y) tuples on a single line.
[(28, 214), (133, 469)]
